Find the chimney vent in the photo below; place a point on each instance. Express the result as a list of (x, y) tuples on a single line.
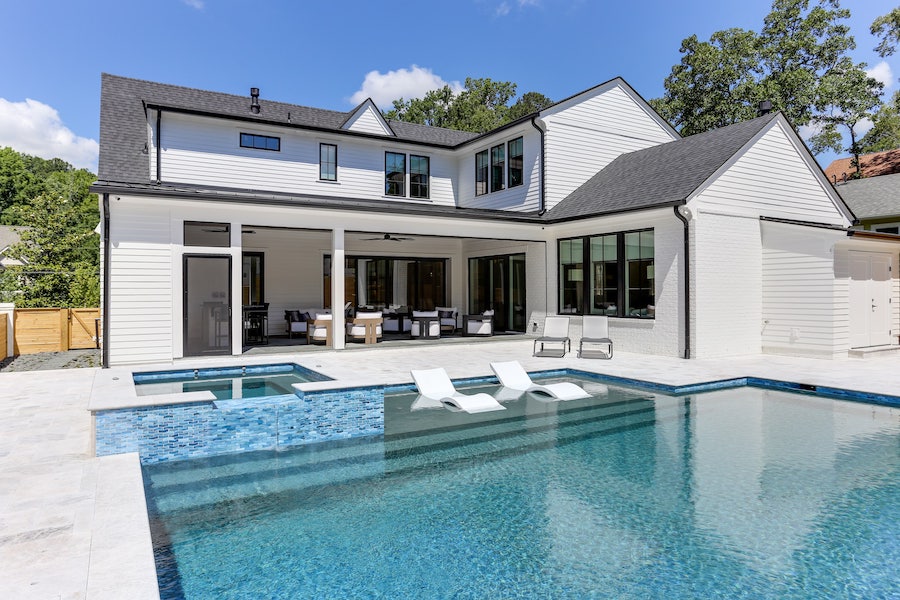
[(254, 100), (764, 108)]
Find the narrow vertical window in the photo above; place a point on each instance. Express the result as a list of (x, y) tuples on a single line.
[(394, 174), (328, 162), (419, 167), (604, 275), (498, 165), (639, 274), (481, 173), (516, 166), (571, 276)]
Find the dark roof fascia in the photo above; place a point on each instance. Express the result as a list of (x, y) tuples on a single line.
[(503, 127), (804, 223), (215, 115), (875, 235), (308, 201), (610, 213)]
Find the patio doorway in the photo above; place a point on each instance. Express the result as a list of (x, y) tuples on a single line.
[(870, 299), (207, 305), (498, 283)]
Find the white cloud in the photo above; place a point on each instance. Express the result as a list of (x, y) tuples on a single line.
[(882, 72), (35, 128), (415, 82), (198, 4), (502, 10)]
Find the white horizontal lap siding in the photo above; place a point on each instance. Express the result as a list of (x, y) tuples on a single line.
[(772, 179), (585, 137), (801, 314), (204, 151), (727, 276), (522, 198), (140, 294), (367, 122)]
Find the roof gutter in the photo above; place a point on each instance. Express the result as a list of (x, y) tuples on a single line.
[(542, 202), (158, 145), (106, 292), (687, 278)]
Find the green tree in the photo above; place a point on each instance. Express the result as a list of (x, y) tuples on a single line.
[(481, 106), (887, 27), (56, 250), (885, 132), (17, 184), (798, 61)]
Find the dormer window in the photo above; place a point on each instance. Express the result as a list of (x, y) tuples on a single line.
[(260, 142)]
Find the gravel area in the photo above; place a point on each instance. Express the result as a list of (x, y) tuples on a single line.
[(43, 361)]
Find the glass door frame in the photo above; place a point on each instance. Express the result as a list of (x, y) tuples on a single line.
[(224, 350)]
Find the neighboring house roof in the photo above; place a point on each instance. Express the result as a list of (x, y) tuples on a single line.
[(8, 236), (872, 197), (871, 165), (662, 175), (123, 121)]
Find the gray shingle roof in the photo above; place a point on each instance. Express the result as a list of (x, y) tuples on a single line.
[(8, 236), (872, 197), (123, 121), (660, 175)]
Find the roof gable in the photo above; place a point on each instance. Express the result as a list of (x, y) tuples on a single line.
[(662, 175), (366, 118)]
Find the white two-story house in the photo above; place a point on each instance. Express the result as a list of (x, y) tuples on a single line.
[(731, 242)]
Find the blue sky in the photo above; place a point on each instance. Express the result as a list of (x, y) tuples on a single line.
[(332, 54)]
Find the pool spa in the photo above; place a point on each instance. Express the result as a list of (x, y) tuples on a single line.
[(227, 382), (636, 492)]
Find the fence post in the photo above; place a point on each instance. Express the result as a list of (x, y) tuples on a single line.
[(7, 310), (63, 329)]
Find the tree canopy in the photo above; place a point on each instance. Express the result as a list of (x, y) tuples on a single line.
[(51, 203), (887, 27), (799, 61), (481, 106)]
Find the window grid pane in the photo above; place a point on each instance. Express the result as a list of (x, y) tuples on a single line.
[(516, 173), (328, 162), (260, 142), (481, 173), (604, 275), (419, 167), (394, 174), (639, 274), (498, 165), (571, 276)]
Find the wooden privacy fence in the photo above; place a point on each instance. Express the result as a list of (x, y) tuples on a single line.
[(3, 338), (54, 329)]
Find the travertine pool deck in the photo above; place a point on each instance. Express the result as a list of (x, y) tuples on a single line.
[(75, 526)]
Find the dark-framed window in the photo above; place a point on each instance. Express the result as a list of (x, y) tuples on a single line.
[(204, 233), (419, 172), (260, 142), (328, 162), (610, 274), (498, 166), (516, 172), (481, 173), (394, 174)]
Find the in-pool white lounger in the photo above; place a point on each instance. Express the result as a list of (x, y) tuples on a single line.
[(512, 375), (435, 384)]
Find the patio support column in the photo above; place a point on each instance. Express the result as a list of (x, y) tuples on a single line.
[(337, 288)]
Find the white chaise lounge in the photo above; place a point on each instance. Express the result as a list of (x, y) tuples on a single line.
[(435, 384), (512, 375)]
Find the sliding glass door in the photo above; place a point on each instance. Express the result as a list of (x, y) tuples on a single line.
[(498, 283), (380, 282)]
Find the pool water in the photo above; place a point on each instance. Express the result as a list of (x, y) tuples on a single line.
[(740, 493), (227, 383)]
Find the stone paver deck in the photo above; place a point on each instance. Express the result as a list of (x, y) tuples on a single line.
[(75, 526)]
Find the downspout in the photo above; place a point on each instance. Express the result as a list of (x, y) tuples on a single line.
[(541, 202), (158, 145), (687, 282), (106, 263)]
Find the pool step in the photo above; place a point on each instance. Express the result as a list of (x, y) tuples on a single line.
[(300, 472)]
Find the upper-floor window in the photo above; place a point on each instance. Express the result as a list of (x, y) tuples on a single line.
[(481, 173), (419, 167), (328, 162), (515, 175), (501, 167), (204, 233), (260, 142), (394, 174), (498, 166)]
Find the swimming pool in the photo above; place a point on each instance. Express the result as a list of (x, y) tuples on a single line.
[(225, 383), (737, 493)]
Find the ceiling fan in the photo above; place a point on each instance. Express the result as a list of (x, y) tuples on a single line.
[(389, 238)]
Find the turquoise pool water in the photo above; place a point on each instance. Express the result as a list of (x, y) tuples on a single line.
[(225, 383), (739, 493)]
